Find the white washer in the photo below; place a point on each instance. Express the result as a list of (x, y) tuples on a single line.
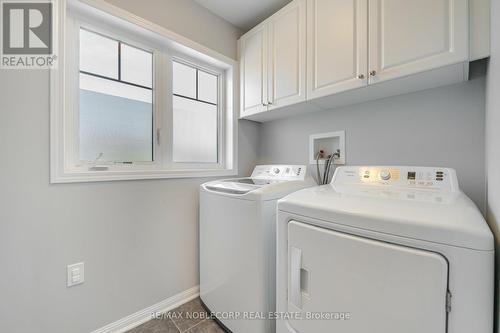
[(238, 244), (384, 250)]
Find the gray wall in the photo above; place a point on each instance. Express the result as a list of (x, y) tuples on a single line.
[(139, 239), (438, 127), (189, 19), (493, 139)]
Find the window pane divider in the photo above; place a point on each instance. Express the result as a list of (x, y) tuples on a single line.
[(119, 61), (195, 99), (115, 80)]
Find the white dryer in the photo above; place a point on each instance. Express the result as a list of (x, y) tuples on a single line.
[(238, 245), (384, 250)]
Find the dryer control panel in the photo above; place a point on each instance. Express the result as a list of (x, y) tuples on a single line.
[(280, 172), (444, 179)]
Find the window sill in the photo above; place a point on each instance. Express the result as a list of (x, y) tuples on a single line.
[(105, 176)]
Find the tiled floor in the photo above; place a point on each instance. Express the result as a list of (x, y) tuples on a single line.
[(189, 318)]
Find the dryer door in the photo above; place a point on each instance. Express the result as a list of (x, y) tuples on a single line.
[(353, 284)]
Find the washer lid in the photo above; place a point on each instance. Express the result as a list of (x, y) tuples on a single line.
[(429, 214), (237, 186), (267, 182), (256, 189)]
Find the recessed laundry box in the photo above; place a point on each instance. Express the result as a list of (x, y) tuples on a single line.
[(384, 250)]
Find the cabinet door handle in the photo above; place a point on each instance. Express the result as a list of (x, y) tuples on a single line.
[(264, 104), (373, 73), (361, 76), (269, 103)]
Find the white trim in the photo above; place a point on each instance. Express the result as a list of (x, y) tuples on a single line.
[(140, 317), (104, 176), (58, 100)]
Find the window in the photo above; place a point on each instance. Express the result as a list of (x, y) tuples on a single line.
[(195, 119), (130, 101), (116, 101)]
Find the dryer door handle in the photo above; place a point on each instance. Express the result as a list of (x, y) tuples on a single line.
[(295, 267)]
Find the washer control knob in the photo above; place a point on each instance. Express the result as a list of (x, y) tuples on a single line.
[(276, 170), (385, 175)]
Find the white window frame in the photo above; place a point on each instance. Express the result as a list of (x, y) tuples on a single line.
[(106, 19), (183, 59), (73, 162)]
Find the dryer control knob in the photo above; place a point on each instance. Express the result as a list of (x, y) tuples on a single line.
[(276, 170), (385, 175)]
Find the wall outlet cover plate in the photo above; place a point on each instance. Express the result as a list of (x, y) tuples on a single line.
[(75, 274)]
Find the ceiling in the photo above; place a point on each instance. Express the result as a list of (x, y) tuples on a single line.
[(244, 14)]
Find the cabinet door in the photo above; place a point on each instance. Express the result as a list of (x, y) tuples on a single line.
[(287, 55), (336, 46), (253, 70), (412, 36)]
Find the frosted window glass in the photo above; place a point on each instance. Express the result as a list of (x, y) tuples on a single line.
[(136, 66), (207, 87), (118, 127), (195, 131), (184, 80), (98, 54)]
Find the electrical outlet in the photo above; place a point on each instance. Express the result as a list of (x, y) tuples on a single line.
[(75, 274)]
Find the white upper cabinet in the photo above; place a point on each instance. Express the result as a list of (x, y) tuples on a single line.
[(287, 56), (412, 36), (479, 28), (337, 41), (273, 61), (339, 52), (253, 70)]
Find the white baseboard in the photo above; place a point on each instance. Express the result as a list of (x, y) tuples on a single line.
[(144, 315)]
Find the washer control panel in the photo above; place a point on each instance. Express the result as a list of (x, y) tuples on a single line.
[(444, 179), (280, 172)]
